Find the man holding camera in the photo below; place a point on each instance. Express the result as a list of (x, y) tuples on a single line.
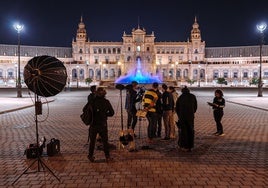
[(130, 105)]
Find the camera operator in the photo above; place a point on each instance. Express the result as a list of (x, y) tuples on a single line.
[(130, 105)]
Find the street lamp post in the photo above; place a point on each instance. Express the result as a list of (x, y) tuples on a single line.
[(16, 77), (119, 69), (18, 28), (176, 64), (181, 74), (261, 27), (100, 70), (199, 75), (77, 76)]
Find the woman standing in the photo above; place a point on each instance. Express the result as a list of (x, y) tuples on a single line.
[(218, 105)]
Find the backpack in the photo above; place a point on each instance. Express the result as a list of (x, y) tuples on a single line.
[(87, 115)]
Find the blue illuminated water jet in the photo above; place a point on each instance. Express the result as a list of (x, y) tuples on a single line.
[(138, 76)]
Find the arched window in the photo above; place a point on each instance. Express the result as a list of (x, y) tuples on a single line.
[(186, 73), (165, 74), (178, 73), (215, 74), (112, 73), (195, 74), (74, 74), (105, 71), (202, 73), (265, 73), (170, 73), (128, 58), (91, 73), (235, 74), (10, 73), (97, 73), (1, 73), (81, 74), (119, 72), (245, 73), (255, 73), (225, 74)]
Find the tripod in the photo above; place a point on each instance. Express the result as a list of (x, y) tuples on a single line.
[(40, 163)]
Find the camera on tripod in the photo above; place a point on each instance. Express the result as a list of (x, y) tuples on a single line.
[(35, 150), (140, 93)]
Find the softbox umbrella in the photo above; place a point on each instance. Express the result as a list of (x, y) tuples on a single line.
[(45, 75)]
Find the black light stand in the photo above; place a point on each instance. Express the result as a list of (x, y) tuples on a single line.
[(121, 109), (126, 137), (46, 76), (40, 163), (121, 87)]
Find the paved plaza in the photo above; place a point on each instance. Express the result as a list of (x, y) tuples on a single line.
[(238, 159)]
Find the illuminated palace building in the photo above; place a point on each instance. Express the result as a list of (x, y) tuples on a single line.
[(176, 62)]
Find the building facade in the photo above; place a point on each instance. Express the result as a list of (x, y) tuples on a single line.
[(179, 62)]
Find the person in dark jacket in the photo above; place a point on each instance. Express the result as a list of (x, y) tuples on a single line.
[(218, 105), (168, 108), (130, 105), (90, 98), (102, 109), (92, 95), (186, 107)]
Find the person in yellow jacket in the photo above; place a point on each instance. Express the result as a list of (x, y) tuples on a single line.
[(149, 104)]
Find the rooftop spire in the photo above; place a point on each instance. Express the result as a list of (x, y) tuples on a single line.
[(138, 22)]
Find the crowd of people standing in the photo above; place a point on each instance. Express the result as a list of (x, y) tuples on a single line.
[(160, 105), (173, 109)]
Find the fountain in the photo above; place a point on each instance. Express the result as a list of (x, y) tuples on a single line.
[(138, 75)]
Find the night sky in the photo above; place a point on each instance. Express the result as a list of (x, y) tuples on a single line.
[(54, 22)]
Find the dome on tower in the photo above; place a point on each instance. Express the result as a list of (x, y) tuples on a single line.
[(81, 26), (195, 33)]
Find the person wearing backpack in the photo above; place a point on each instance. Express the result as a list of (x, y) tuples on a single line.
[(92, 95), (90, 98), (102, 109)]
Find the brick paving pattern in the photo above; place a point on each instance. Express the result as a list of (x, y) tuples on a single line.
[(238, 159)]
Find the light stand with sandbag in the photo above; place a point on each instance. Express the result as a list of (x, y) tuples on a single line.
[(126, 137), (45, 76)]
